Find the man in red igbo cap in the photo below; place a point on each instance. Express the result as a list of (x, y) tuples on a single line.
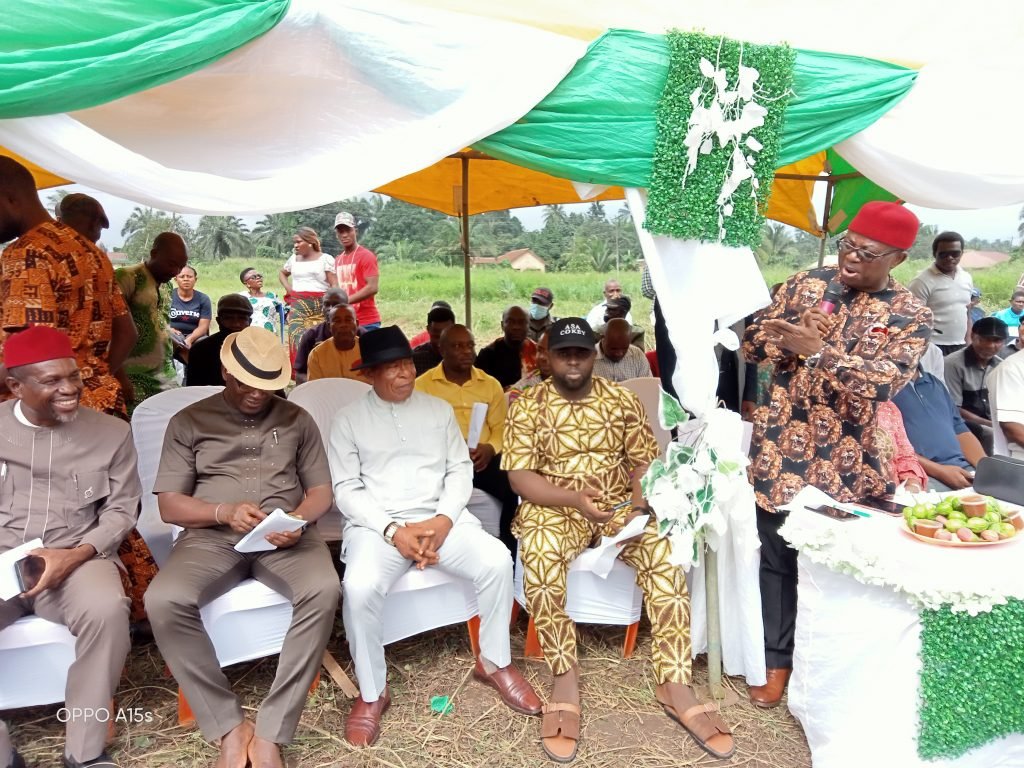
[(841, 340), (68, 477)]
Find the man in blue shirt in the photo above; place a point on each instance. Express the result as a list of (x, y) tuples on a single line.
[(946, 448)]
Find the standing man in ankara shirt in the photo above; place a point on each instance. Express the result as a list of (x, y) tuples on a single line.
[(945, 288), (53, 275), (829, 372)]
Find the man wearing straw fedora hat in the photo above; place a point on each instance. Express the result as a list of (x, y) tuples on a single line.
[(228, 461), (403, 477)]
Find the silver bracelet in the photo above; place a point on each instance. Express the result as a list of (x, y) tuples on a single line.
[(216, 514)]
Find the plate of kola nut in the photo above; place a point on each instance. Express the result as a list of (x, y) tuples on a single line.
[(964, 521)]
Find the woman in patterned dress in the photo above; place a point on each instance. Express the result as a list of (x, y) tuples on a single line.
[(306, 276), (265, 306)]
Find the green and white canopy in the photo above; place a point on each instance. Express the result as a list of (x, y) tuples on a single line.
[(246, 106)]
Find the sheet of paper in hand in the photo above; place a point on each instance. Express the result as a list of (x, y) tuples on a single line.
[(277, 521)]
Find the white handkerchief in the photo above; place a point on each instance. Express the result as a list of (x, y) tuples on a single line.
[(601, 558)]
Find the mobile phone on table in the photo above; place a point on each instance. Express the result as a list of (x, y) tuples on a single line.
[(29, 570), (887, 506), (834, 512)]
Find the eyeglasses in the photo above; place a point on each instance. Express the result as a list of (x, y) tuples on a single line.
[(844, 245), (254, 276)]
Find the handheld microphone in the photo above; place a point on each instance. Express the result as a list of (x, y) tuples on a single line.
[(831, 297)]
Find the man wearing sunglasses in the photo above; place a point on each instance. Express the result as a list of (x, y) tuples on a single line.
[(833, 363), (945, 288)]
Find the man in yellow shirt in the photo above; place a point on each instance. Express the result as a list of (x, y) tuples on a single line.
[(461, 385), (334, 357)]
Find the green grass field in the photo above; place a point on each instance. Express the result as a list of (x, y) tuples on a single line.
[(407, 290)]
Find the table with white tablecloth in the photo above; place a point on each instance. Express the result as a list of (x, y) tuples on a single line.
[(856, 684)]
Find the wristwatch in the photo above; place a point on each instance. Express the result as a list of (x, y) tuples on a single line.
[(389, 533), (812, 360)]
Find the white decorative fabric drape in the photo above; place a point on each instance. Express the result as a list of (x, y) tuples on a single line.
[(339, 98)]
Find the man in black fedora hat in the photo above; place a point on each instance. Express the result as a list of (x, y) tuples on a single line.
[(228, 461), (403, 477)]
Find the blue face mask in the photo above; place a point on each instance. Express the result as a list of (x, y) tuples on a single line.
[(538, 312)]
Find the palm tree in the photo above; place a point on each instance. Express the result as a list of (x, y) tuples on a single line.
[(144, 224), (140, 219), (218, 237), (272, 234), (776, 243), (1020, 227), (554, 214)]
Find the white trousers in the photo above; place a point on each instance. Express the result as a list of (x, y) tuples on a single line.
[(372, 566)]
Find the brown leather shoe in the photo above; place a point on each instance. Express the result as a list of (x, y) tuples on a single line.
[(362, 727), (770, 694), (513, 688)]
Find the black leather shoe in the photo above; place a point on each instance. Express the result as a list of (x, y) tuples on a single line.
[(103, 761)]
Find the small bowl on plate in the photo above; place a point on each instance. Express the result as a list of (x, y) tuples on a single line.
[(927, 528), (974, 505)]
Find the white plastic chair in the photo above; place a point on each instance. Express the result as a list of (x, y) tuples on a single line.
[(250, 620), (35, 655), (322, 399), (648, 389), (591, 599), (420, 600)]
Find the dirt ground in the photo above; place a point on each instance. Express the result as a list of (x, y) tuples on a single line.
[(622, 724)]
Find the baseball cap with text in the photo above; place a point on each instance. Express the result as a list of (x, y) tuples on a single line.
[(571, 332)]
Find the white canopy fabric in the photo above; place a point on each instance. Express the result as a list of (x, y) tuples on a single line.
[(341, 97), (953, 140), (344, 96)]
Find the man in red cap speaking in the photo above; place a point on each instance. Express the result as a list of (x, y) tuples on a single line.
[(68, 477), (841, 340)]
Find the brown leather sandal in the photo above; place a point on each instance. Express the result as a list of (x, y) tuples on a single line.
[(703, 723), (560, 731)]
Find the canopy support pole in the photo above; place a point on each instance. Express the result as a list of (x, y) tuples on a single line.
[(714, 624), (829, 186), (464, 215)]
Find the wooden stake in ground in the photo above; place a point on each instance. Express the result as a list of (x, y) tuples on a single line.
[(339, 677)]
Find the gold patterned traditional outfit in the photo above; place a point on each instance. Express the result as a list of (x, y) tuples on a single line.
[(599, 440)]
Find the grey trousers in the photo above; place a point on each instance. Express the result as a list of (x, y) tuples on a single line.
[(204, 565), (91, 603)]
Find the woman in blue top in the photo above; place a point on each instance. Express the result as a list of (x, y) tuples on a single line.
[(190, 313), (1012, 314)]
